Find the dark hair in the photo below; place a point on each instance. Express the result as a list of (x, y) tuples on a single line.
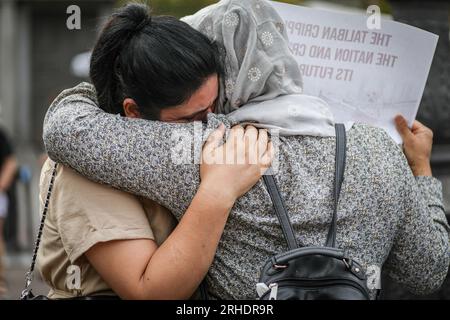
[(159, 61)]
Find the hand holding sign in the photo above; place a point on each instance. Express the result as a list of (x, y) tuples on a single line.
[(417, 145)]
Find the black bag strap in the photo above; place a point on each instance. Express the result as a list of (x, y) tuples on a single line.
[(26, 293), (341, 146), (280, 208)]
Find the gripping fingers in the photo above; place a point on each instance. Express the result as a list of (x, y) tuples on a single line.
[(263, 140), (251, 147), (215, 137), (209, 153), (235, 148), (402, 127), (268, 156)]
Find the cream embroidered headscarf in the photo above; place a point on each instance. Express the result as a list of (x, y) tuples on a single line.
[(263, 82)]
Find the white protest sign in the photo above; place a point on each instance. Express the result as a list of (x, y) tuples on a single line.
[(365, 75)]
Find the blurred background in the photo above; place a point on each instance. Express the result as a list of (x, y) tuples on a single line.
[(40, 56)]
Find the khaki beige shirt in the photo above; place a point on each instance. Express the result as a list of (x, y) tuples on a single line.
[(81, 214)]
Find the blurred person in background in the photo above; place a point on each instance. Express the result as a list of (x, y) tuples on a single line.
[(8, 168)]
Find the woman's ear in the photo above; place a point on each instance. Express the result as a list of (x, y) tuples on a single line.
[(131, 109)]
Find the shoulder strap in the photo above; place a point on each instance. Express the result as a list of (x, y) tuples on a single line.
[(29, 275), (280, 208), (341, 145)]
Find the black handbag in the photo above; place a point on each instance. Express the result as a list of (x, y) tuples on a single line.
[(27, 293), (312, 273)]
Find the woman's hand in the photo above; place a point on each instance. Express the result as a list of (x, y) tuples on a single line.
[(229, 170), (417, 145)]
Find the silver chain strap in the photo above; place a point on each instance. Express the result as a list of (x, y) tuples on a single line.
[(29, 275)]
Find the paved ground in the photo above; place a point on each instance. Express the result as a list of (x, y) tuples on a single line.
[(17, 265)]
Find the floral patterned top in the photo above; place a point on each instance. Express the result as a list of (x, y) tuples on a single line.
[(387, 218)]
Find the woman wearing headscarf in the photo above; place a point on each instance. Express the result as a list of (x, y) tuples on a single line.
[(388, 218)]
